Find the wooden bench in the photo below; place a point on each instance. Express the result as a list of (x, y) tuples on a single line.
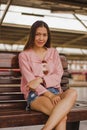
[(12, 103)]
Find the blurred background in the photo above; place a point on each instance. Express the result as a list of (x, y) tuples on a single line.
[(68, 24)]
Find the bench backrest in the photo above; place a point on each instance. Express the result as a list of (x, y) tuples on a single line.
[(10, 95)]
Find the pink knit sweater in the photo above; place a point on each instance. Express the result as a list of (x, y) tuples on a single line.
[(31, 66)]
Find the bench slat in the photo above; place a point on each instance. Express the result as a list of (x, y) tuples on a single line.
[(12, 105), (17, 81), (9, 81), (25, 119), (9, 96), (8, 89)]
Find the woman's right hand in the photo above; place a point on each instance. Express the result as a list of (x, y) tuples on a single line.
[(34, 83), (55, 99)]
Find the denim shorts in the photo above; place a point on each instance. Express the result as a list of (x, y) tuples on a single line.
[(32, 96)]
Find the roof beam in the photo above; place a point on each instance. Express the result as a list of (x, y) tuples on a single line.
[(80, 3), (6, 9), (75, 39), (52, 29), (79, 20)]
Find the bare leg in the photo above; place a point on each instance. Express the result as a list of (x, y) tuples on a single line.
[(44, 105), (61, 125), (61, 109)]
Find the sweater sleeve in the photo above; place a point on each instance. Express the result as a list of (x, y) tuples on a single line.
[(25, 68), (27, 73), (54, 79)]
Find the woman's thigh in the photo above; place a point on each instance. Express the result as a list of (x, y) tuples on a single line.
[(42, 104)]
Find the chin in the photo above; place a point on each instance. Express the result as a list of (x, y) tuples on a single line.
[(40, 46)]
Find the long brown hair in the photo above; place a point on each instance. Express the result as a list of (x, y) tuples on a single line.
[(31, 39)]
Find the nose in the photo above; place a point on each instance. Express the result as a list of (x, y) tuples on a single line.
[(41, 37)]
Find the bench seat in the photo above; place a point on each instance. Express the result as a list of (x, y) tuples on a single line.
[(12, 103), (15, 118)]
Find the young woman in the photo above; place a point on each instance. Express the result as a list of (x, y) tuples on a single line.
[(41, 71)]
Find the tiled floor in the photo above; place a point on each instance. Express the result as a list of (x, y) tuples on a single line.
[(82, 95)]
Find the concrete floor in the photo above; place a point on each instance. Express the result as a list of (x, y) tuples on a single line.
[(83, 126), (82, 95)]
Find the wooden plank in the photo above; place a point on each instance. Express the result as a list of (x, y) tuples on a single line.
[(9, 88), (9, 81), (9, 59), (11, 96), (12, 105), (5, 71), (25, 118), (78, 114)]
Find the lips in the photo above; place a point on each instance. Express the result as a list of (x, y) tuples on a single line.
[(40, 43)]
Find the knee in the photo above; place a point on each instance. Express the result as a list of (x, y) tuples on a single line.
[(64, 119), (73, 93)]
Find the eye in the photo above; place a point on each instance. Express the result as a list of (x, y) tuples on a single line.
[(45, 35), (38, 34)]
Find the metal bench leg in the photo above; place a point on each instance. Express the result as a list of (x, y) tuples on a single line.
[(73, 125)]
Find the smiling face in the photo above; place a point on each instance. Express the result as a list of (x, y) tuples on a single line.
[(41, 37)]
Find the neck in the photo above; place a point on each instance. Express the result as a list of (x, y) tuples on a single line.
[(38, 49)]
